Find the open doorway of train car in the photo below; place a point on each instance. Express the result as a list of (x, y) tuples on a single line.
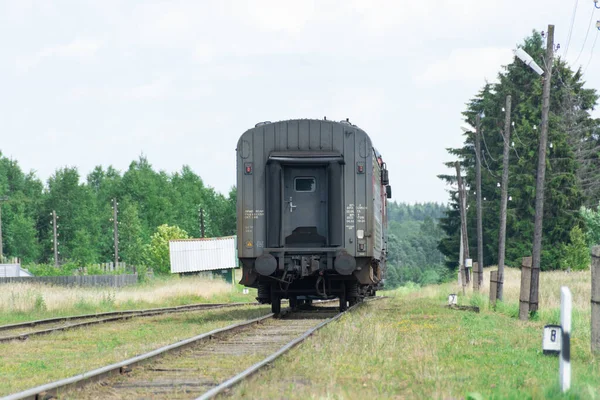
[(305, 206)]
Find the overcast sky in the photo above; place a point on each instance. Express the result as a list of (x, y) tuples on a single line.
[(86, 83)]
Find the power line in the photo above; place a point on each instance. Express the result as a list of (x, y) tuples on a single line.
[(486, 148), (487, 166), (571, 29), (592, 52), (586, 35)]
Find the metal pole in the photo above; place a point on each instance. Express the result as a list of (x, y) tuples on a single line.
[(116, 231), (477, 282), (55, 235), (541, 173), (504, 200)]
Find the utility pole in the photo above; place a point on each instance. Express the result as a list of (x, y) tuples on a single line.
[(541, 174), (116, 231), (4, 198), (55, 236), (201, 222), (504, 199), (463, 226), (477, 283)]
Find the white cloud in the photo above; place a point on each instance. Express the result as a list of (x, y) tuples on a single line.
[(466, 65), (78, 49)]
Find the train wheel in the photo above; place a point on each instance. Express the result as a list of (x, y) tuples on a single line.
[(352, 293), (343, 301), (275, 302)]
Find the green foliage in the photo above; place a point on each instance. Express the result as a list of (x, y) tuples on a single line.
[(573, 135), (577, 253), (157, 252), (147, 199), (50, 270), (131, 244), (592, 222), (413, 236), (40, 303)]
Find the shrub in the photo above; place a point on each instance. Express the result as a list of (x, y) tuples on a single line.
[(576, 255), (157, 253)]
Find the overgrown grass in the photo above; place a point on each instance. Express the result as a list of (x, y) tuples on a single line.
[(60, 355), (23, 302), (413, 346)]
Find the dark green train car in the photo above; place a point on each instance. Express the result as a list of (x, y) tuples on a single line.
[(311, 212)]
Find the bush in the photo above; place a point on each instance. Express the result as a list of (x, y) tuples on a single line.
[(576, 255), (50, 270), (157, 253)]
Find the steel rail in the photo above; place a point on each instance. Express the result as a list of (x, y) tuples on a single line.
[(99, 373), (51, 389), (254, 368), (112, 316)]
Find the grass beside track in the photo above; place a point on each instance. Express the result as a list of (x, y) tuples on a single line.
[(22, 302), (412, 346), (48, 358)]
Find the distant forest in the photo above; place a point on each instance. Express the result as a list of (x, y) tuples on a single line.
[(413, 238)]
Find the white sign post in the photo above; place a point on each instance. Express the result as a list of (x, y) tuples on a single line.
[(452, 299), (552, 339), (565, 349)]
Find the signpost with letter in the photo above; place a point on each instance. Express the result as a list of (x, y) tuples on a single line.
[(552, 339), (452, 299), (557, 339)]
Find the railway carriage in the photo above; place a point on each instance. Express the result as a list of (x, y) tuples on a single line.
[(311, 212)]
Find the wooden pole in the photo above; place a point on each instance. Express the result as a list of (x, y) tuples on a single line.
[(541, 173), (493, 287), (1, 245), (463, 225), (503, 202), (116, 230), (525, 289), (202, 222), (477, 278), (596, 299), (55, 236)]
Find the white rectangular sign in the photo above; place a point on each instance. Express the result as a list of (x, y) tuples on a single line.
[(552, 339), (452, 299)]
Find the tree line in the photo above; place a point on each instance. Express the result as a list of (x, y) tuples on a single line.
[(572, 165), (147, 199), (413, 237)]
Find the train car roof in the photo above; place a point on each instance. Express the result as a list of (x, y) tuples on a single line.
[(345, 122)]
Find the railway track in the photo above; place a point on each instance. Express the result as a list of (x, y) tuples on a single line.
[(200, 367), (23, 331)]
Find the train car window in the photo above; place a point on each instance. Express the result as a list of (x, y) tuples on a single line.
[(305, 184)]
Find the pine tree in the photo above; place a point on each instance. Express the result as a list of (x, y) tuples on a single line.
[(570, 106)]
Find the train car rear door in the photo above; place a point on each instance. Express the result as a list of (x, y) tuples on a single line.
[(305, 206)]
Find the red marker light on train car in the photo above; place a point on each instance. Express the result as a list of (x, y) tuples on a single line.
[(360, 168), (248, 168)]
